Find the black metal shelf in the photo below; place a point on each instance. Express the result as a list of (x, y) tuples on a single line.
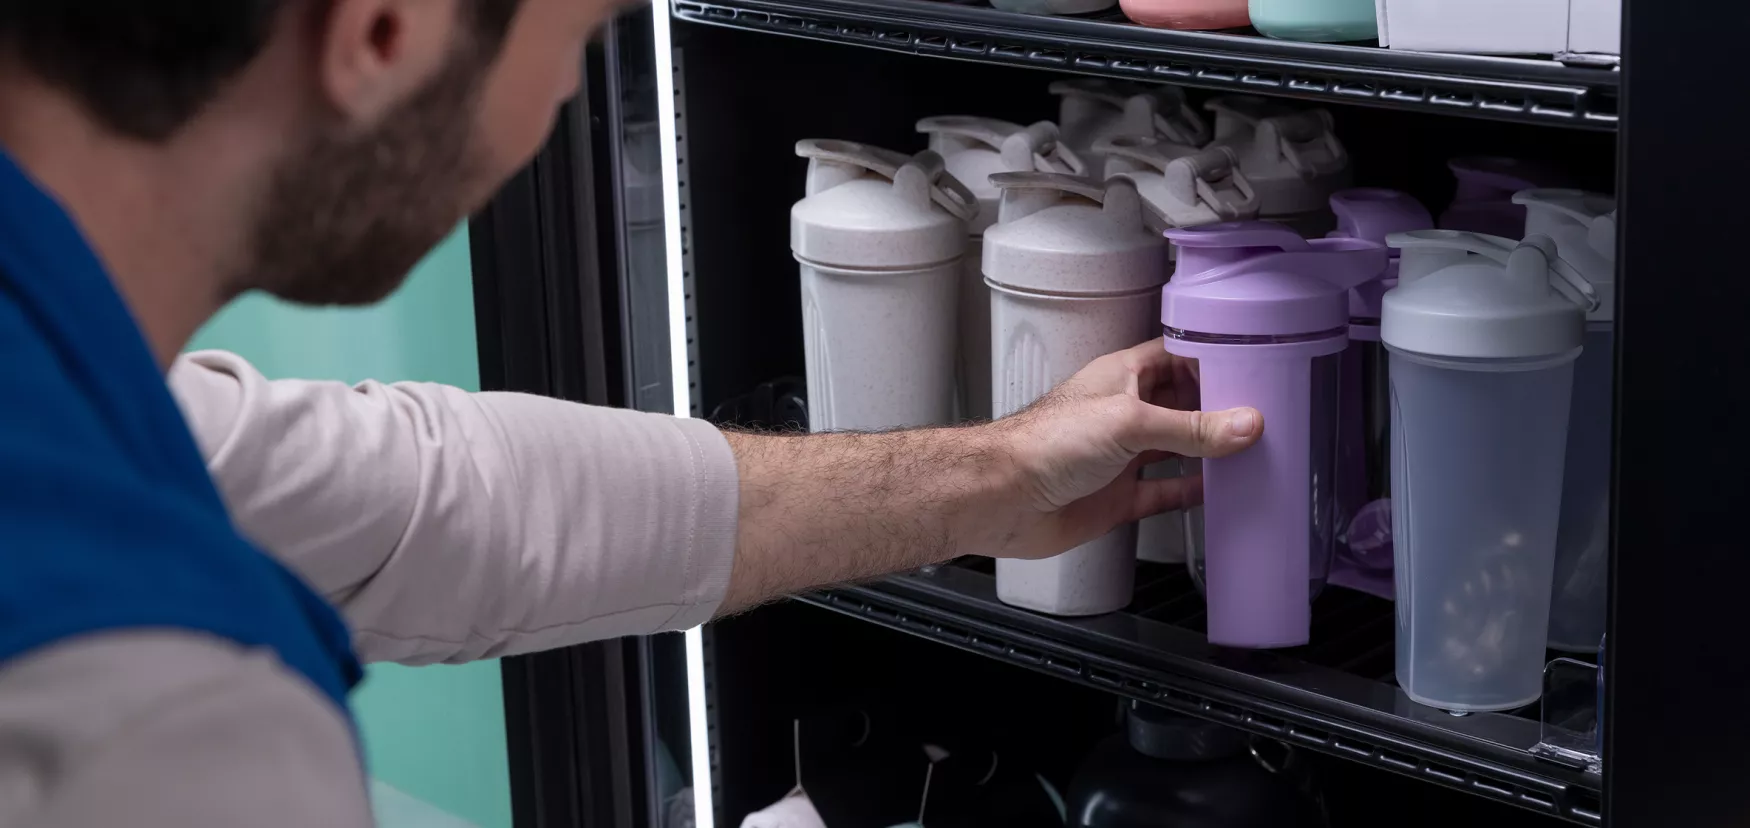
[(1332, 696), (1502, 88)]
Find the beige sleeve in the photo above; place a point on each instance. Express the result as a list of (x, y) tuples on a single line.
[(169, 729), (451, 526)]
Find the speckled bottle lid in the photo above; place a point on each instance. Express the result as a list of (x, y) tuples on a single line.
[(868, 207), (1092, 108), (1188, 186), (1293, 159), (977, 148), (1069, 235)]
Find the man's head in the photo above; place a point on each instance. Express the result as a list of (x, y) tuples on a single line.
[(395, 118)]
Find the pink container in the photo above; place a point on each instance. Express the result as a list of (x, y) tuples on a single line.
[(1188, 14)]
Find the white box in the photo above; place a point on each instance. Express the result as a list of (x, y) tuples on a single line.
[(1486, 27), (1595, 27)]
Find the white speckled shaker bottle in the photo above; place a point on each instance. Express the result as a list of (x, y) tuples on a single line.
[(1075, 269), (974, 150), (880, 238)]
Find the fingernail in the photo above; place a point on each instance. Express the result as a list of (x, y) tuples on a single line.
[(1242, 423)]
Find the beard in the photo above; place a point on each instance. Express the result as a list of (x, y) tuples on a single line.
[(347, 216)]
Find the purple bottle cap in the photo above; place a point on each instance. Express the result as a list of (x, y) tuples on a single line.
[(1257, 278), (1484, 201), (1494, 178), (1372, 213)]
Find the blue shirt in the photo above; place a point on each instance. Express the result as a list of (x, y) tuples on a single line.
[(108, 519)]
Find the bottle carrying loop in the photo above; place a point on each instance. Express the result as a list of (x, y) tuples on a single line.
[(1427, 250), (1306, 142), (1172, 117), (1104, 194), (1210, 177), (1033, 147), (944, 189)]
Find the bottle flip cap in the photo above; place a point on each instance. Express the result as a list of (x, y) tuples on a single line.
[(1072, 235), (977, 148), (1483, 202), (1293, 158), (1094, 108), (1372, 213), (1485, 298), (1189, 187), (1256, 278), (868, 207), (1583, 226)]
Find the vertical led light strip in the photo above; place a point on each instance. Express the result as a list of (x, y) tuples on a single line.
[(680, 384)]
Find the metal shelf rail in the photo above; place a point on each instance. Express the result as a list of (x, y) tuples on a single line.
[(1332, 696), (1501, 88)]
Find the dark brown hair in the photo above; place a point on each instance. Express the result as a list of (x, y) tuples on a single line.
[(145, 67)]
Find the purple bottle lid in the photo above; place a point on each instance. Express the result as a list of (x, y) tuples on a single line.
[(1484, 200), (1495, 178), (1372, 213), (1257, 278)]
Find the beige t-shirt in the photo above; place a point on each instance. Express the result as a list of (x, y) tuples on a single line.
[(446, 526)]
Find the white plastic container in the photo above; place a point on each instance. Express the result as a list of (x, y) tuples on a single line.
[(1484, 27), (1595, 28), (1075, 269), (974, 150), (1188, 188), (1583, 226), (880, 238), (1091, 110), (1483, 333), (1292, 158)]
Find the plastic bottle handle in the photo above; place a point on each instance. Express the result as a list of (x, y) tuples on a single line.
[(1306, 142), (1600, 228), (1092, 90), (1234, 107), (927, 166), (1177, 120), (1167, 116), (988, 131), (1191, 178), (1117, 195), (1149, 152), (1201, 174), (1043, 139), (1428, 250), (1034, 147)]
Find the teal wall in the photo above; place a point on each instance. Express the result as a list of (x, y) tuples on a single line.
[(435, 734)]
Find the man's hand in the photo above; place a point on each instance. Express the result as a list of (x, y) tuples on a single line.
[(828, 508), (1079, 450)]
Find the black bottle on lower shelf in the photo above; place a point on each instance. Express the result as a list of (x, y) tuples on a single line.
[(1167, 769)]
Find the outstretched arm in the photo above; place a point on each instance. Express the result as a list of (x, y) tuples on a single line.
[(450, 526), (827, 508)]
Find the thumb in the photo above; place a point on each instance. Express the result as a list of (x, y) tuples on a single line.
[(1193, 433)]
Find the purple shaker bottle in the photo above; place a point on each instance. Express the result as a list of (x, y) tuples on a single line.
[(1266, 314), (1484, 201), (1363, 559)]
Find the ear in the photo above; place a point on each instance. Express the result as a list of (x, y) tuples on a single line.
[(374, 54)]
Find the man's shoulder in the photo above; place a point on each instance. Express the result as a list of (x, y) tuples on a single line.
[(46, 417)]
